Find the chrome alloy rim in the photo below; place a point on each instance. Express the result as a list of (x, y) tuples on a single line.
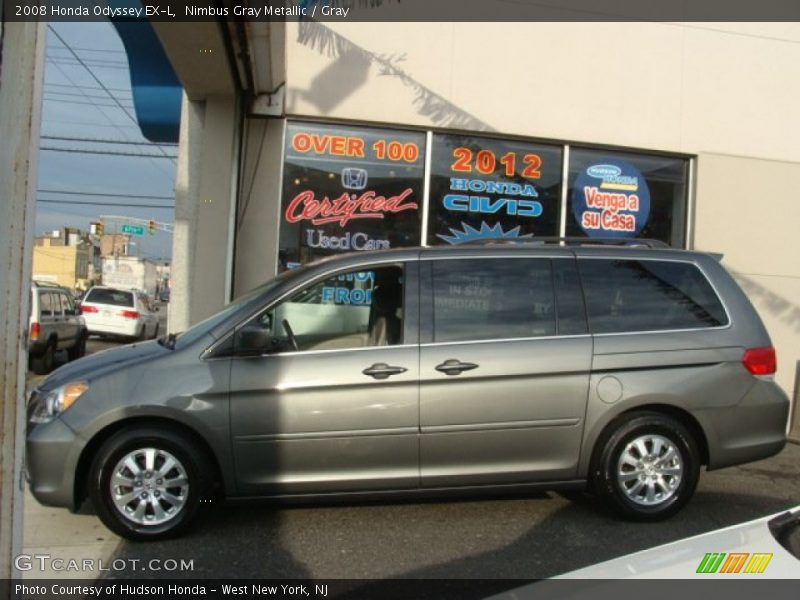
[(649, 470), (149, 486)]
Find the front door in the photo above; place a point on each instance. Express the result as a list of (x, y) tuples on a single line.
[(331, 403), (504, 372)]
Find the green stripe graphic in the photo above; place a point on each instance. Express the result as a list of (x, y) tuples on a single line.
[(711, 562)]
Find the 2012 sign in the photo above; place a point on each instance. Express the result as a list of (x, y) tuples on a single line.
[(485, 162)]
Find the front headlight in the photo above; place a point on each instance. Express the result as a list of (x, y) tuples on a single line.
[(57, 401)]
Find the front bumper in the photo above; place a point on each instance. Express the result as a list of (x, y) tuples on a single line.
[(51, 455)]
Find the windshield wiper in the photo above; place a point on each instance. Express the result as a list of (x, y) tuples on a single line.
[(168, 341)]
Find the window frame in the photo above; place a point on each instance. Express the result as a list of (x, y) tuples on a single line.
[(411, 307), (567, 147), (427, 300)]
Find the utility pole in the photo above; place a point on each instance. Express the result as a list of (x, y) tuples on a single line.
[(21, 72)]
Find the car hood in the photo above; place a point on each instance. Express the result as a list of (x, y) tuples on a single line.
[(102, 363)]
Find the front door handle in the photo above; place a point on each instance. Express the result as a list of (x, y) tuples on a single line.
[(455, 367), (383, 371)]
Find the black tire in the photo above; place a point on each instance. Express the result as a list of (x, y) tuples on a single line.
[(155, 332), (139, 337), (44, 363), (616, 482), (186, 451), (79, 349)]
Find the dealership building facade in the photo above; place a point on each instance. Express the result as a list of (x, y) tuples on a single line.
[(301, 139)]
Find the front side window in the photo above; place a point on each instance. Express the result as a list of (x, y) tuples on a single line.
[(354, 309), (648, 295), (492, 299)]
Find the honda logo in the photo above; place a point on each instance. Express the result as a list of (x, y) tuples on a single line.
[(354, 179)]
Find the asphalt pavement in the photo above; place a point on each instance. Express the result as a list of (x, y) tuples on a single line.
[(528, 537), (533, 537)]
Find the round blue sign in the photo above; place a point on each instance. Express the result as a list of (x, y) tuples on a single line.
[(610, 198)]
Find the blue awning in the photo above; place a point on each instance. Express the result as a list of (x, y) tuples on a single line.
[(156, 89)]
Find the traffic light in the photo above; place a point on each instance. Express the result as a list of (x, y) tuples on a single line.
[(151, 227)]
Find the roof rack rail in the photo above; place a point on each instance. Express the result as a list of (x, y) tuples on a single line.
[(42, 283), (574, 241)]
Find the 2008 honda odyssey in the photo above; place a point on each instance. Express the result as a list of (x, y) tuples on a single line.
[(625, 369)]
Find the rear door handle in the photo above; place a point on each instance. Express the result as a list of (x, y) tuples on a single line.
[(453, 366), (383, 371)]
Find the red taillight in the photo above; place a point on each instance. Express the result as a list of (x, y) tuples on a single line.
[(129, 314), (34, 332), (88, 309), (760, 361)]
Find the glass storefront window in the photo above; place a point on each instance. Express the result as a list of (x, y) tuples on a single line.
[(488, 188), (349, 188), (625, 194)]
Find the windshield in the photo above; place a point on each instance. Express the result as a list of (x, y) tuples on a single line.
[(200, 329)]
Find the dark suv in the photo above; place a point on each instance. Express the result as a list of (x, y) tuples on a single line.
[(429, 370)]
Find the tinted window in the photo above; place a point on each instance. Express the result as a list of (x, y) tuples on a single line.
[(648, 295), (108, 296), (492, 299), (571, 312)]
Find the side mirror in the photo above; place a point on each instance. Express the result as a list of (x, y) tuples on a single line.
[(252, 339)]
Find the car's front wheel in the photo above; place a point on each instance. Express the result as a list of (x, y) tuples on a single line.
[(147, 482), (648, 466)]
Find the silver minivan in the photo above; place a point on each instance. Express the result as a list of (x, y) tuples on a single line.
[(510, 367)]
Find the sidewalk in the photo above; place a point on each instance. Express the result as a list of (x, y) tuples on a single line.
[(65, 542)]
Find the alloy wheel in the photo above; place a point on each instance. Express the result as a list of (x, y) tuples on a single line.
[(149, 486)]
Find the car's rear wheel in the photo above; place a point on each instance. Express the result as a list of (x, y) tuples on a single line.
[(44, 363), (648, 466), (147, 482), (79, 349)]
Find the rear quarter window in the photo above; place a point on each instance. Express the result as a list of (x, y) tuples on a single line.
[(106, 296), (648, 295)]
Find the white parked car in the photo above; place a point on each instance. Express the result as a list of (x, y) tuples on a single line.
[(118, 312), (768, 547)]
